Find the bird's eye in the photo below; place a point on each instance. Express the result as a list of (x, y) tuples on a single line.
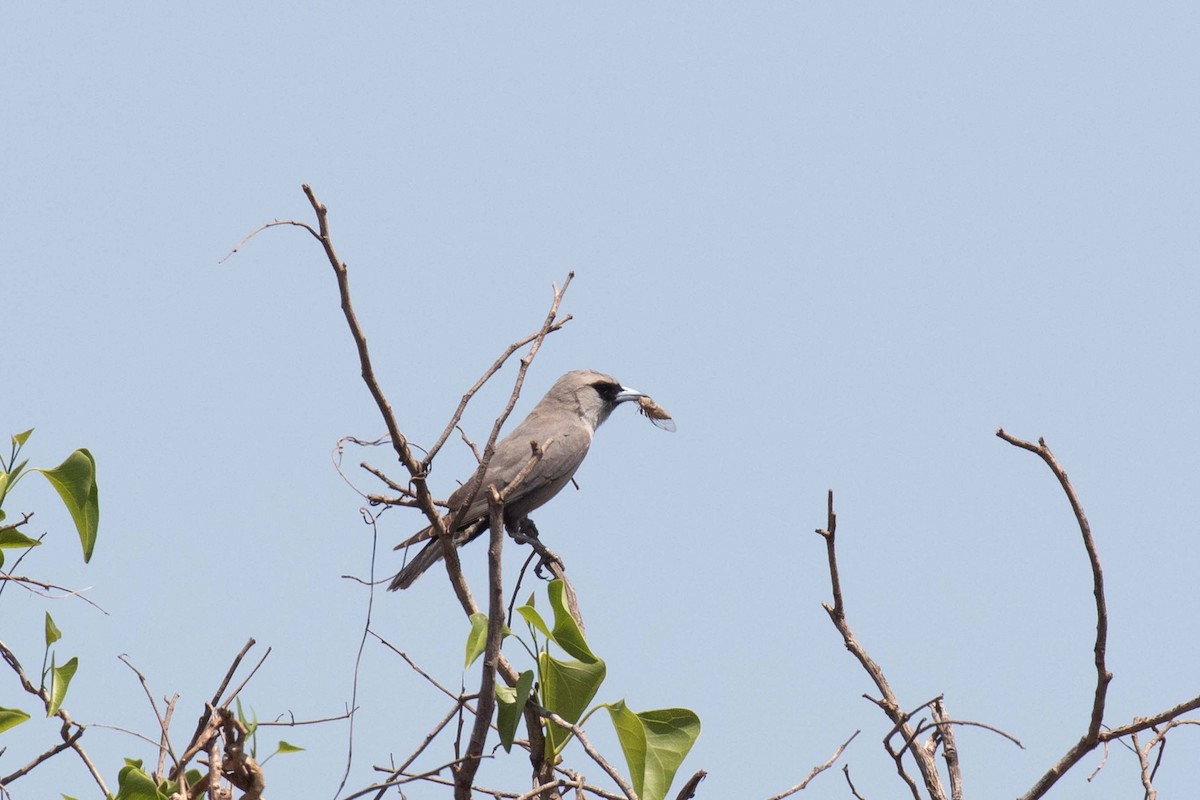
[(607, 390)]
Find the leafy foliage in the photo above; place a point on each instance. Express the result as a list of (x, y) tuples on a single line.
[(654, 742)]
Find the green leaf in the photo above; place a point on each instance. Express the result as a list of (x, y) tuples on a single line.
[(60, 680), (11, 718), (285, 747), (531, 615), (477, 638), (53, 634), (13, 476), (250, 722), (75, 482), (566, 633), (11, 537), (19, 439), (510, 702), (567, 688), (655, 744), (169, 788), (134, 784)]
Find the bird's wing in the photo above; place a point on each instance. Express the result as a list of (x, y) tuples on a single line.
[(563, 452), (419, 536)]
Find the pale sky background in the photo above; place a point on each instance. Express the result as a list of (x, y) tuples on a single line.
[(842, 244)]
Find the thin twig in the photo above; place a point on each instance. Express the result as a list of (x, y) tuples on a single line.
[(27, 582), (391, 484), (399, 442), (551, 325), (246, 680), (887, 702), (165, 740), (688, 790), (588, 748), (53, 751), (968, 724), (817, 770), (850, 783), (196, 744), (358, 656), (264, 227), (1143, 758), (398, 771), (475, 484)]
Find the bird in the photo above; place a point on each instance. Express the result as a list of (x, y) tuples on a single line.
[(562, 424)]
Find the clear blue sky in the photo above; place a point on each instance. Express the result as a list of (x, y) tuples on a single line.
[(842, 244)]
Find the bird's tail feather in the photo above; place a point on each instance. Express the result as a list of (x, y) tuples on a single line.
[(430, 554), (425, 558)]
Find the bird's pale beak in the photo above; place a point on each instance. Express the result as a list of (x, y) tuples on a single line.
[(628, 394)]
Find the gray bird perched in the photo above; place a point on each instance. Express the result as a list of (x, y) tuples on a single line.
[(562, 424)]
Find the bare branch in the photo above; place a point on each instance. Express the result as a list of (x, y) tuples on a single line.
[(391, 484), (69, 737), (817, 770), (262, 228), (966, 723), (688, 790), (551, 324), (53, 751), (165, 742), (196, 744), (1143, 757), (27, 582), (1090, 737), (465, 774), (945, 729), (1147, 723), (475, 484), (887, 702), (588, 748), (399, 443), (850, 783)]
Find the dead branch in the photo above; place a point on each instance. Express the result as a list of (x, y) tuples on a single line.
[(688, 790), (550, 326), (198, 741), (887, 702), (1103, 676), (465, 774), (475, 483), (850, 783), (28, 583), (261, 228), (1147, 723), (817, 770), (399, 442), (164, 745), (945, 730), (588, 748), (1091, 736), (41, 757)]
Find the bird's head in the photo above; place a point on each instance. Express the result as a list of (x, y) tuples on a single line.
[(593, 395)]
